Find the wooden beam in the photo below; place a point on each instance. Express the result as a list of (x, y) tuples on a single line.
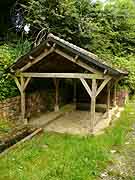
[(92, 94), (17, 83), (108, 98), (114, 95), (93, 104), (85, 84), (63, 75), (56, 107), (22, 98), (77, 61), (74, 90), (22, 86), (26, 83), (103, 85), (36, 60)]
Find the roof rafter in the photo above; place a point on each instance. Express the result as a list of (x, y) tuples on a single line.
[(37, 59), (77, 61)]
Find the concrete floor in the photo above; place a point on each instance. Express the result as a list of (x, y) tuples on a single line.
[(67, 120)]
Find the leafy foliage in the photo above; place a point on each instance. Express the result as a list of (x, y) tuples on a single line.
[(105, 29), (8, 54)]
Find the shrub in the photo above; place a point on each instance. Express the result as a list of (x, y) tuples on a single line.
[(8, 55)]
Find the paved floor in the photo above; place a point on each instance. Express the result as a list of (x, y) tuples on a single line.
[(67, 120)]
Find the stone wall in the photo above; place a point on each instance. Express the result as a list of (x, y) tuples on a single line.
[(35, 103), (41, 101), (10, 108)]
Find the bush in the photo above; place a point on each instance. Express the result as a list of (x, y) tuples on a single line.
[(8, 55)]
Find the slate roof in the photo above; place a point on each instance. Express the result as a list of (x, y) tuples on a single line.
[(85, 56)]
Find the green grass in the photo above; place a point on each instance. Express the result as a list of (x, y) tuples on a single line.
[(52, 156)]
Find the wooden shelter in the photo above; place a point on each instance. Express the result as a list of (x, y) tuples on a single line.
[(58, 59)]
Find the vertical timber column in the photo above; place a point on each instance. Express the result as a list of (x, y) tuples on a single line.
[(93, 104), (22, 84), (114, 96), (108, 98), (74, 91), (56, 107), (23, 109)]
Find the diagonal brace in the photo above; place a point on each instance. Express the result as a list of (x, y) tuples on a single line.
[(103, 85), (85, 84)]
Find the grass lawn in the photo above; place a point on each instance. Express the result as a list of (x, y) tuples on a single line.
[(52, 156)]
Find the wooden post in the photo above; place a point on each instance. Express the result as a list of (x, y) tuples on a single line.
[(23, 109), (74, 91), (22, 86), (108, 98), (56, 107), (114, 96), (93, 104)]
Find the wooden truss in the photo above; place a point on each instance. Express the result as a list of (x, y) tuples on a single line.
[(23, 78)]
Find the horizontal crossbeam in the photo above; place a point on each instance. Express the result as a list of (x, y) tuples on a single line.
[(64, 75)]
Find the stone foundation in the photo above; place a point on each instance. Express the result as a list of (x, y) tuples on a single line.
[(38, 102), (35, 103)]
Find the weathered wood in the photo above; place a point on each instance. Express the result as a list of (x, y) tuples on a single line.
[(108, 98), (36, 60), (56, 107), (114, 96), (22, 87), (64, 75), (85, 84), (93, 104), (92, 117), (26, 83), (18, 83), (21, 141), (77, 61), (74, 91), (22, 98), (103, 85)]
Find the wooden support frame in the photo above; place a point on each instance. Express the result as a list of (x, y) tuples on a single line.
[(108, 97), (64, 75), (93, 93), (22, 87), (77, 61), (114, 96), (74, 90), (86, 86), (37, 59), (23, 109), (104, 83), (56, 107), (93, 104)]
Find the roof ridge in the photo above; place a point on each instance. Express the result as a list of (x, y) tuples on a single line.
[(84, 51)]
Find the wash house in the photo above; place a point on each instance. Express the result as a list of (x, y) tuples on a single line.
[(55, 60)]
